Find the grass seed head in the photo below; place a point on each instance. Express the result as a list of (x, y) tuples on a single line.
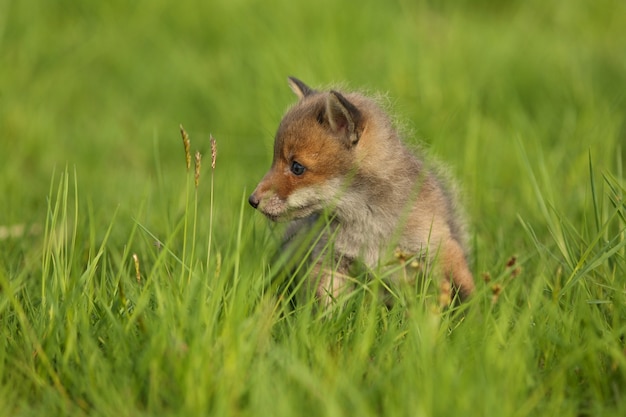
[(496, 290), (197, 168), (511, 262), (187, 145), (213, 151), (515, 272)]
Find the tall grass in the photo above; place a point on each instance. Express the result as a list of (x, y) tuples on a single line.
[(132, 284), (96, 329)]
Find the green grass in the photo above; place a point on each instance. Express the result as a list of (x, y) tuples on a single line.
[(525, 100)]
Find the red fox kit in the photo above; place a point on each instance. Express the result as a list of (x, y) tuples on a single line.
[(339, 154)]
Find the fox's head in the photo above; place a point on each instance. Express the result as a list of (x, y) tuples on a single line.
[(313, 154)]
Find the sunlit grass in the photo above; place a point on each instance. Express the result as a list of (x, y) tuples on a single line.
[(133, 282)]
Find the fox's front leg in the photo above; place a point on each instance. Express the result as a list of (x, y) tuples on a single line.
[(330, 283)]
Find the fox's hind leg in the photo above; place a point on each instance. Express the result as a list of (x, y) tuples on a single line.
[(456, 271)]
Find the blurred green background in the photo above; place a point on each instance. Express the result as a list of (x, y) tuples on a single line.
[(103, 86)]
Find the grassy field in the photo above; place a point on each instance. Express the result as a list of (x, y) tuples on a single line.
[(128, 290)]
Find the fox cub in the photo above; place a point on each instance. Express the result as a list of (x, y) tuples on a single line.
[(337, 156)]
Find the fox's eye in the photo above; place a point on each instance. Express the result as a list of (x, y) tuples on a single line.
[(297, 168)]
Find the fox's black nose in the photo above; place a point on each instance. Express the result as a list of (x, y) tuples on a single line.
[(254, 202)]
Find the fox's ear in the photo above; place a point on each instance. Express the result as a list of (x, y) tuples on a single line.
[(343, 117), (299, 88)]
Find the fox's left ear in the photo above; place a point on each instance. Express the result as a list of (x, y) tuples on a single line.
[(343, 117), (299, 88)]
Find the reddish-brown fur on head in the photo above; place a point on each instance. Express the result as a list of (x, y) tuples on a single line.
[(315, 137)]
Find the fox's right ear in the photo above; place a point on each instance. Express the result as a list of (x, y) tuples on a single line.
[(343, 118), (299, 88)]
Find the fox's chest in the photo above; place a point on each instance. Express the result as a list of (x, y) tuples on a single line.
[(368, 244)]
